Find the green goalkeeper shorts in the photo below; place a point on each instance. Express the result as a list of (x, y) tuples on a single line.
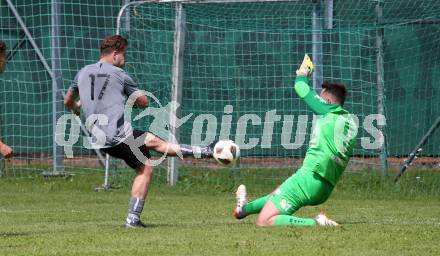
[(305, 187)]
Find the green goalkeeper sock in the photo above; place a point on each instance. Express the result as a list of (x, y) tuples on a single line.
[(256, 205), (285, 220)]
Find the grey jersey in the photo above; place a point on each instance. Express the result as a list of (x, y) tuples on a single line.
[(103, 90)]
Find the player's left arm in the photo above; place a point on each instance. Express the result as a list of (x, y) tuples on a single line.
[(133, 92)]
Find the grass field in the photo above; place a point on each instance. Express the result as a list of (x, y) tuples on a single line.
[(66, 217)]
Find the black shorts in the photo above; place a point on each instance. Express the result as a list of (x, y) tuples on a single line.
[(123, 151)]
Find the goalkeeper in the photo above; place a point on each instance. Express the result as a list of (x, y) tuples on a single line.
[(5, 150), (328, 154)]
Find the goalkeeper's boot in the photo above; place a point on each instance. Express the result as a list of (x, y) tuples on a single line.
[(134, 224), (241, 196), (208, 151), (322, 220)]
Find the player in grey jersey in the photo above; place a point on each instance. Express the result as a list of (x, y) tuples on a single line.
[(103, 89)]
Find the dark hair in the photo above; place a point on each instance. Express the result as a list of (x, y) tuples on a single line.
[(337, 90), (113, 43), (2, 48)]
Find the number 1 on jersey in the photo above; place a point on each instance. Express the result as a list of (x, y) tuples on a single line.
[(92, 86)]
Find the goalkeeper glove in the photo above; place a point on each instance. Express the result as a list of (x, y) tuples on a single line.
[(306, 67)]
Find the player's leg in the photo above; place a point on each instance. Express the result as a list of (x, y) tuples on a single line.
[(319, 191), (244, 208), (268, 211), (303, 188), (141, 181), (279, 209), (171, 149), (267, 215), (139, 192)]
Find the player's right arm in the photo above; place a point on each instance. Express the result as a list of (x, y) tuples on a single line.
[(71, 96), (318, 105), (310, 97), (71, 103)]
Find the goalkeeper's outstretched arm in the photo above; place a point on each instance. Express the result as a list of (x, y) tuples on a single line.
[(318, 105)]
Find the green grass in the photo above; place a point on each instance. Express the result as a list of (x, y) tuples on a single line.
[(66, 217)]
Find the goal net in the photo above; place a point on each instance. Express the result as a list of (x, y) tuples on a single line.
[(239, 62), (237, 67)]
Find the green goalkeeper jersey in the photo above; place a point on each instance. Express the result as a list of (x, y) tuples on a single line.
[(333, 136)]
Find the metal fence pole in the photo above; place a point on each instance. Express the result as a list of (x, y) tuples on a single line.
[(127, 16), (328, 14), (176, 93), (57, 105), (317, 77), (380, 88)]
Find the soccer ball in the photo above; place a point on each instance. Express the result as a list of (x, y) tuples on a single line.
[(226, 152)]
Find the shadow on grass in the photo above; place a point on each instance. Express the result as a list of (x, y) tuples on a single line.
[(148, 226), (14, 234)]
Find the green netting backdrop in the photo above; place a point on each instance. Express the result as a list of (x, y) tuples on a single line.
[(241, 54)]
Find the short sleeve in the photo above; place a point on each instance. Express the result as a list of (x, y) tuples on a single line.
[(129, 85)]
